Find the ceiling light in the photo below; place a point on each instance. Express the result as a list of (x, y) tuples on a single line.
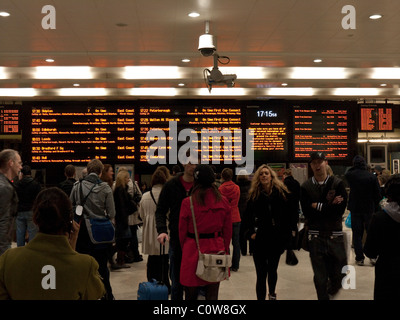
[(49, 60), (153, 92), (142, 72), (3, 74), (185, 60), (247, 72), (194, 14), (356, 92), (76, 84), (222, 92), (375, 16), (290, 91), (385, 73), (4, 14), (17, 92), (181, 84), (77, 92), (383, 84), (63, 73), (318, 73), (379, 140), (317, 60), (284, 84)]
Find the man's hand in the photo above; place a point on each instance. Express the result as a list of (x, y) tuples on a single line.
[(337, 200)]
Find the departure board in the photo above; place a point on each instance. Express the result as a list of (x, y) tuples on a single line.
[(270, 132), (81, 133), (201, 124), (324, 129), (9, 120), (376, 117)]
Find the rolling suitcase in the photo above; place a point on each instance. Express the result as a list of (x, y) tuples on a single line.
[(153, 290)]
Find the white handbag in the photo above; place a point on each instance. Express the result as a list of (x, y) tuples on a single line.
[(211, 267)]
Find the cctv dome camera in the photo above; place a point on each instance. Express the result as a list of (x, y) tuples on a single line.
[(207, 45)]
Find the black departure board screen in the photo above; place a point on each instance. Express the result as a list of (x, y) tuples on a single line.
[(324, 129), (196, 125), (80, 133), (270, 132), (9, 120), (376, 117)]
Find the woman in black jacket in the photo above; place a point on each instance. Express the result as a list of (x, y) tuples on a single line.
[(269, 220), (124, 206)]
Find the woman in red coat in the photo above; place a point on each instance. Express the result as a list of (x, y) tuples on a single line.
[(214, 227), (231, 191)]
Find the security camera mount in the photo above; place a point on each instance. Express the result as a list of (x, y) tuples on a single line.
[(214, 77)]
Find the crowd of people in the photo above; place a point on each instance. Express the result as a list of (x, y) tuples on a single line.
[(255, 214)]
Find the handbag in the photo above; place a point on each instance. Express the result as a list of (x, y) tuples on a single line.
[(101, 231), (347, 223), (211, 267)]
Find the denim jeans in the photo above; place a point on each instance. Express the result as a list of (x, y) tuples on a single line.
[(236, 245), (359, 223), (175, 258), (328, 257), (25, 223)]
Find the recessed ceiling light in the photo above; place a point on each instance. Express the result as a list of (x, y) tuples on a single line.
[(194, 14), (317, 60), (375, 16), (181, 84), (383, 84), (284, 84), (4, 14), (76, 84), (49, 60), (186, 60)]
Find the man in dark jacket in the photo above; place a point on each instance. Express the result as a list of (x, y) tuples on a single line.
[(383, 241), (364, 199), (169, 204), (323, 201), (27, 189), (294, 187), (68, 183)]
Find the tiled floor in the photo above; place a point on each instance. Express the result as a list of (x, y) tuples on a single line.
[(294, 282)]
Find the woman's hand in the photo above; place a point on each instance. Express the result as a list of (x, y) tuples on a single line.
[(73, 235)]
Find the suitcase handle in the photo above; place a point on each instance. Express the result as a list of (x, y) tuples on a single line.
[(162, 254)]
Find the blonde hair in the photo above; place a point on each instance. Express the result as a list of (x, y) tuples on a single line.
[(121, 176), (256, 186)]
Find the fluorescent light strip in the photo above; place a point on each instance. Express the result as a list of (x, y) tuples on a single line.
[(63, 73), (78, 92), (385, 73), (222, 92), (317, 73), (246, 72), (170, 92), (3, 74), (289, 91), (356, 92), (17, 92), (170, 72), (384, 140)]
